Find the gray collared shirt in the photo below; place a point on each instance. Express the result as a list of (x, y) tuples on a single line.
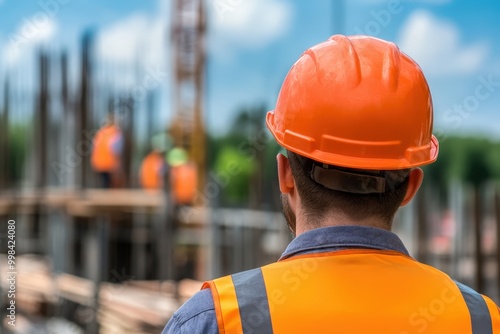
[(197, 315)]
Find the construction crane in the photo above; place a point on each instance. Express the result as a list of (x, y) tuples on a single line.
[(187, 128)]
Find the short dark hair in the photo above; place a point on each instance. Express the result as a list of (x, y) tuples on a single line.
[(318, 201)]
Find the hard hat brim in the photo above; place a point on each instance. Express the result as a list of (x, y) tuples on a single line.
[(310, 148)]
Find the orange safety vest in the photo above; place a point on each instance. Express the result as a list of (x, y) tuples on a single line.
[(103, 159), (350, 292), (183, 181), (151, 172)]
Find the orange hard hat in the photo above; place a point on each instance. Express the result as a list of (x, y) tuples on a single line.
[(356, 102)]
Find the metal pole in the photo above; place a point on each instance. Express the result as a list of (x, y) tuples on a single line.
[(164, 240), (456, 206), (43, 110), (478, 217), (422, 230), (4, 144), (497, 217), (84, 107)]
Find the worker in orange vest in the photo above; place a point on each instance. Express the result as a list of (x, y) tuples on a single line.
[(153, 168), (183, 177), (355, 116), (106, 151)]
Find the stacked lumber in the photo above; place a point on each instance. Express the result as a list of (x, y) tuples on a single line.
[(141, 306), (76, 289), (130, 307), (53, 325), (35, 287), (166, 287), (135, 308)]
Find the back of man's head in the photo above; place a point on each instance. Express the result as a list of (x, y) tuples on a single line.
[(355, 114), (355, 202)]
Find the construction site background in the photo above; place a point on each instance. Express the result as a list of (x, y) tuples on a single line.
[(116, 241)]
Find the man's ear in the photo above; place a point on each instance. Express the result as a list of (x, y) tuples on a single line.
[(415, 181), (285, 176)]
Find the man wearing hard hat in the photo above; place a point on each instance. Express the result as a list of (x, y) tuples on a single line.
[(153, 167), (355, 117), (107, 148)]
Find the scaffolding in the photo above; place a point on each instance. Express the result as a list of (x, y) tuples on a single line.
[(188, 34)]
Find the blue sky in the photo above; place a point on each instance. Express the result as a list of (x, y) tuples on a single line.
[(253, 43)]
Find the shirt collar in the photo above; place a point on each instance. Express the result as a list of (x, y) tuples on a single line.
[(334, 238)]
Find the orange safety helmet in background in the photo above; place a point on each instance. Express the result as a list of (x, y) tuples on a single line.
[(356, 102)]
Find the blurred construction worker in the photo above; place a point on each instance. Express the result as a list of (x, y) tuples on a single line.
[(355, 117), (153, 168), (107, 150), (183, 177)]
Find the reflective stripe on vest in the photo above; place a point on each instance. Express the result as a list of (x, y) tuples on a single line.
[(479, 313), (252, 302)]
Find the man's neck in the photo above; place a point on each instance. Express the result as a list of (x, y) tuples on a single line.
[(304, 225)]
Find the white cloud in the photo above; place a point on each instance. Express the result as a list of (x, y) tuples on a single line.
[(138, 37), (435, 44), (28, 36), (248, 24), (134, 54)]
